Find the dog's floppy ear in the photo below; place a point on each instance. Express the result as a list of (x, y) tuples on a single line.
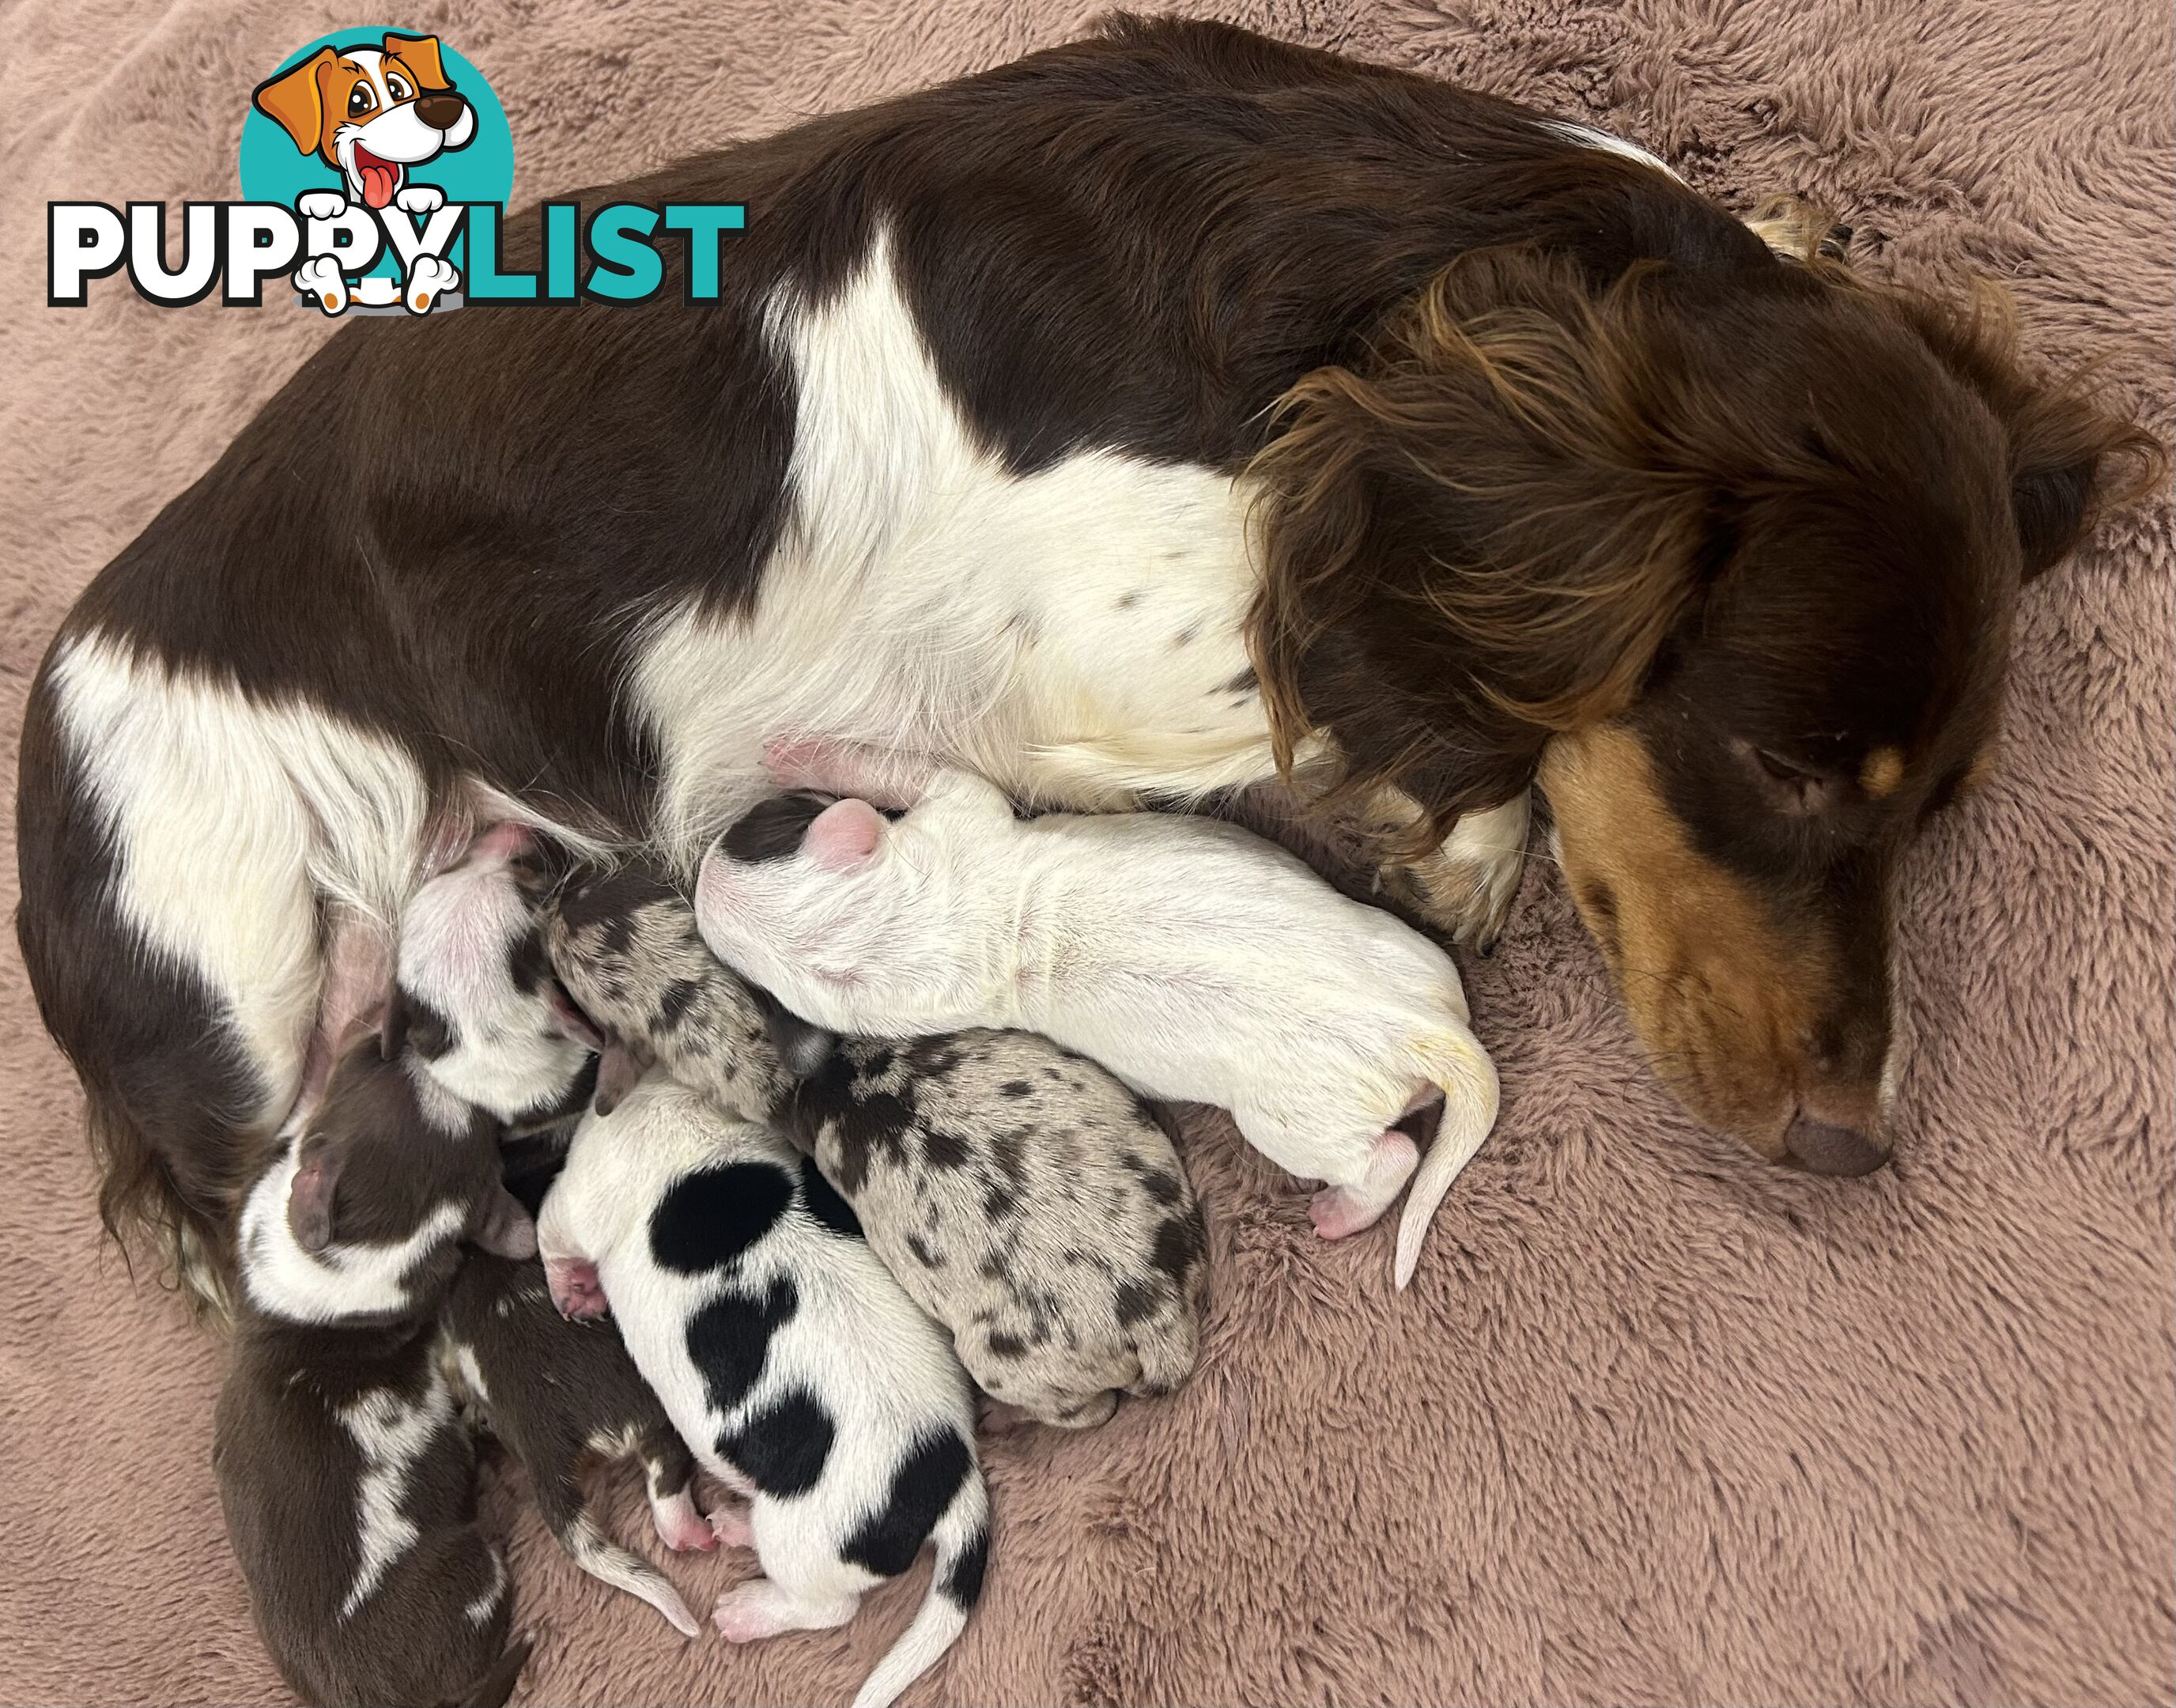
[(420, 54), (295, 101), (310, 1197), (1477, 535)]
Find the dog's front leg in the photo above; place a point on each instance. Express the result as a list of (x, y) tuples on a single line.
[(1465, 887)]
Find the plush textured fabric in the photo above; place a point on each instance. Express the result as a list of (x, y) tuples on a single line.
[(1656, 1424)]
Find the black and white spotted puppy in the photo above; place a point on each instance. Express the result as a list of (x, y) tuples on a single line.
[(347, 1480), (788, 1358), (1022, 1196), (474, 995), (624, 944)]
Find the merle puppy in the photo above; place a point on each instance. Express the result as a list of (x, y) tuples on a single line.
[(1022, 1197), (347, 1481), (788, 1358)]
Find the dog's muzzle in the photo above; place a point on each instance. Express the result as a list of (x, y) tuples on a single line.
[(442, 112)]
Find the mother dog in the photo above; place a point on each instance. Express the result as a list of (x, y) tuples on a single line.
[(1133, 421)]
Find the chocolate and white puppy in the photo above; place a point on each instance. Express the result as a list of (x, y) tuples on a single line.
[(474, 998), (1023, 1197), (348, 1483), (1197, 962), (789, 1359), (562, 1396)]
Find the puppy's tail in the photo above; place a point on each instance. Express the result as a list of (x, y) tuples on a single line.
[(608, 1563), (962, 1541), (492, 1690), (1462, 1069)]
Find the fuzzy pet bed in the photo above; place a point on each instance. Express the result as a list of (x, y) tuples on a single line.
[(1657, 1423)]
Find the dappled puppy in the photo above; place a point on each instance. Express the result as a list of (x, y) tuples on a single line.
[(563, 1396), (347, 1481), (788, 1358), (1197, 962), (625, 945), (474, 998), (1026, 1200)]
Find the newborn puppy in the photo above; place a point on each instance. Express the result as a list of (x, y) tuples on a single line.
[(624, 942), (1197, 962), (360, 1214), (348, 1484), (561, 1396), (474, 995), (790, 1361), (1021, 1196), (1026, 1200)]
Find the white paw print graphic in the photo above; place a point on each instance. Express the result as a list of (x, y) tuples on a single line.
[(320, 205), (320, 279), (428, 279), (420, 198)]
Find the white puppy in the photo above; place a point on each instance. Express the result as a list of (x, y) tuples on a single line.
[(1194, 960), (788, 1359)]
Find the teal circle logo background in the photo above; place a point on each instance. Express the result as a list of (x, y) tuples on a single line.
[(272, 169)]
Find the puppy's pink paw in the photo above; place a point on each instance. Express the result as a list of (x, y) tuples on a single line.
[(729, 1528), (574, 1288), (680, 1526), (750, 1613)]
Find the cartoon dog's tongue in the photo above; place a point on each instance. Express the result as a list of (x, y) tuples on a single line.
[(380, 178)]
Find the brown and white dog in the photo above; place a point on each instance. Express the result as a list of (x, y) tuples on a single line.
[(1132, 421)]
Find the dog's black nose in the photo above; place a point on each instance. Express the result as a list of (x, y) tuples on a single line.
[(440, 111)]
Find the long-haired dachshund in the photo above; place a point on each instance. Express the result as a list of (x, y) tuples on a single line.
[(1137, 421)]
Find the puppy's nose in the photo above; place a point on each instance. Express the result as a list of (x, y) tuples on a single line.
[(1825, 1148), (440, 111)]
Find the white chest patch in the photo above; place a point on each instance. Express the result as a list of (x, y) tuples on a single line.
[(344, 1281), (391, 1434), (1074, 631)]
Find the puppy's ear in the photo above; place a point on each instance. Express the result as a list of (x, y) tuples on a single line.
[(621, 1064), (310, 1197), (420, 54), (502, 1226), (844, 836), (570, 1022), (295, 101)]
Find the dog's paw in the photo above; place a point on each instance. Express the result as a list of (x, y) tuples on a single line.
[(574, 1288), (1465, 888), (420, 198), (320, 278), (428, 279), (320, 205)]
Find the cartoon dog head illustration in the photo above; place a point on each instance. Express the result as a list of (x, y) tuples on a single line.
[(371, 112)]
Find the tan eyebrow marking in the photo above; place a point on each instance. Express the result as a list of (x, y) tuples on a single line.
[(1882, 771), (1979, 770)]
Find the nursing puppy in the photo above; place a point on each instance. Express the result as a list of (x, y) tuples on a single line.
[(347, 1481), (1026, 1200), (625, 945), (474, 998), (1021, 1196), (788, 1358), (1197, 962), (562, 1396)]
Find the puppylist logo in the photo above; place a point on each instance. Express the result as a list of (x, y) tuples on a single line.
[(375, 167)]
